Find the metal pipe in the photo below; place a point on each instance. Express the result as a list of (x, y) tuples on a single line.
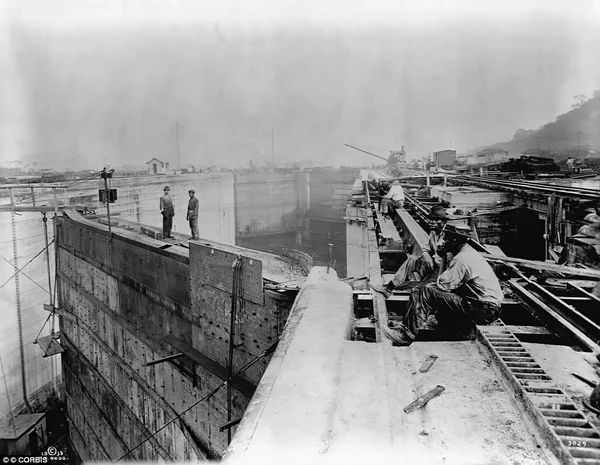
[(45, 220), (164, 359), (104, 175), (236, 285)]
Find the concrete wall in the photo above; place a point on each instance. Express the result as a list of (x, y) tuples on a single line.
[(138, 200), (125, 302), (270, 203), (293, 410), (357, 244)]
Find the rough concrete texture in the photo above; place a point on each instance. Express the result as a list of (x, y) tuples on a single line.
[(292, 413), (357, 246), (267, 203), (119, 299)]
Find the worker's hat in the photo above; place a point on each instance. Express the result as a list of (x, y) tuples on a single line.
[(458, 230), (167, 188), (438, 213), (192, 191)]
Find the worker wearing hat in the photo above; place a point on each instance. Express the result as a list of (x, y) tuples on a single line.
[(467, 292), (167, 209), (424, 266), (192, 214)]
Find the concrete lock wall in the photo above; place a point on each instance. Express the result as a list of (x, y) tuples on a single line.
[(270, 203), (124, 303), (138, 200)]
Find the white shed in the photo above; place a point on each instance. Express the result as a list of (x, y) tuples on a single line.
[(158, 166)]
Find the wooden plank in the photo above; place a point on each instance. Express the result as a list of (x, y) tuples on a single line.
[(516, 329), (414, 230), (388, 229), (428, 363), (495, 250), (542, 266), (421, 401), (244, 386)]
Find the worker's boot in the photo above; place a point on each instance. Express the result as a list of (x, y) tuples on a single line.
[(399, 335), (385, 290)]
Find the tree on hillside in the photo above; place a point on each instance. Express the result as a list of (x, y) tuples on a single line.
[(579, 100)]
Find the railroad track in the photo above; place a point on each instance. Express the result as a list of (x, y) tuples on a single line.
[(579, 192)]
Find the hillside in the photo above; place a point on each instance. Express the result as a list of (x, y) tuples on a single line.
[(561, 134)]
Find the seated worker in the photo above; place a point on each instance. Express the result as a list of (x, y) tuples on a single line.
[(423, 267), (468, 291), (394, 197)]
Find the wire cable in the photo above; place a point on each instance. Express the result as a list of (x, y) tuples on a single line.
[(20, 271), (41, 196), (8, 398), (269, 350), (26, 264)]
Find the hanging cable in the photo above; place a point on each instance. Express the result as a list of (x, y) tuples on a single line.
[(235, 289), (20, 270), (45, 220), (19, 316), (8, 398), (268, 351), (41, 196)]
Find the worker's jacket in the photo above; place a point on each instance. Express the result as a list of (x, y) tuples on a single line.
[(193, 206)]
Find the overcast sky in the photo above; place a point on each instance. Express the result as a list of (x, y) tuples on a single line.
[(96, 79)]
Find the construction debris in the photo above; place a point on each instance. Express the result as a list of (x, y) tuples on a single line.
[(422, 401), (428, 363)]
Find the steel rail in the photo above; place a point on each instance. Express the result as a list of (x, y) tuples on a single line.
[(513, 185)]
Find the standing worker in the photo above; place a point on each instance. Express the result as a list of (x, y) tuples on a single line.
[(192, 214), (168, 212)]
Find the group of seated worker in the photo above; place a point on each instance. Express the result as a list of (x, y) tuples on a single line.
[(453, 286)]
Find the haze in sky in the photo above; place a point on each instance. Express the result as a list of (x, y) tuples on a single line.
[(99, 81)]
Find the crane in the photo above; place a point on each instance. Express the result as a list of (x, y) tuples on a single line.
[(369, 153)]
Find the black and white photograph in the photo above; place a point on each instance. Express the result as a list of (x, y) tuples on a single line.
[(300, 232)]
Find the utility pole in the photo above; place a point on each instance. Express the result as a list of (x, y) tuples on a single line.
[(273, 145), (578, 142), (107, 174), (177, 133)]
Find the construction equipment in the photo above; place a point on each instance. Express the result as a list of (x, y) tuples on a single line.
[(389, 160)]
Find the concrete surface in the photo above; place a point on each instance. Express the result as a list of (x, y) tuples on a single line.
[(326, 399), (292, 414), (125, 301)]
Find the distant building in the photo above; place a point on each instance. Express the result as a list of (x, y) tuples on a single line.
[(444, 158), (188, 169), (157, 166), (398, 157), (490, 155)]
